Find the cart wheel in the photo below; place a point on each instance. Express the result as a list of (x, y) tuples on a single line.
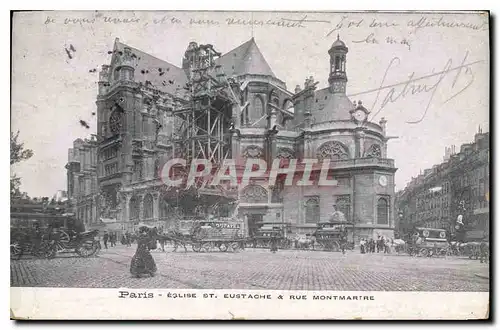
[(206, 247), (16, 250), (423, 252), (196, 247), (223, 247), (235, 246)]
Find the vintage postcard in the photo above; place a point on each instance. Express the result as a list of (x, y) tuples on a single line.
[(250, 165)]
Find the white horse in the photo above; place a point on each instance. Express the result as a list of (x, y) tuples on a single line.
[(304, 243), (399, 245)]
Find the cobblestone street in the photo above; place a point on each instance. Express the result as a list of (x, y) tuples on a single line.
[(257, 269)]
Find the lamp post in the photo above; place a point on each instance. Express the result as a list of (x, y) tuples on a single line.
[(400, 215)]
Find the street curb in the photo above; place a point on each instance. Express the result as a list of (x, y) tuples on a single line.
[(486, 277)]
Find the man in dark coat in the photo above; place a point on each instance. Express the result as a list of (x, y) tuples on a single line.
[(105, 239), (343, 240), (274, 243)]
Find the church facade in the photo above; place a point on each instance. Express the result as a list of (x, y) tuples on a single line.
[(139, 96)]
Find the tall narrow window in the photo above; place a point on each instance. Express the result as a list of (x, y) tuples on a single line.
[(382, 211), (134, 208), (259, 106), (148, 207), (312, 210), (337, 63), (344, 205)]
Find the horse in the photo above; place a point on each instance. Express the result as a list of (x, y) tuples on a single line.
[(177, 239), (399, 245), (305, 243)]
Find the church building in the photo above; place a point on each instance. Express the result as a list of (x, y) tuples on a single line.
[(141, 106)]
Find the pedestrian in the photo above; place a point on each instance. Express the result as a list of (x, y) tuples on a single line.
[(142, 262), (343, 240), (105, 239), (387, 247), (127, 239), (274, 243), (37, 237), (378, 244), (362, 244)]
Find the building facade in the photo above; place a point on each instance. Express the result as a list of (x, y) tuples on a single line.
[(140, 114), (458, 186), (82, 184)]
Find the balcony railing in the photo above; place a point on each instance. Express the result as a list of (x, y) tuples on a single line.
[(362, 161)]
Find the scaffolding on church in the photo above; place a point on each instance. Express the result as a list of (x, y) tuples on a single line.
[(206, 118)]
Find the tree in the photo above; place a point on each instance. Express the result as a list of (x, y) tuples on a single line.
[(17, 154)]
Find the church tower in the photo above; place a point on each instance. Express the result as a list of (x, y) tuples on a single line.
[(338, 77)]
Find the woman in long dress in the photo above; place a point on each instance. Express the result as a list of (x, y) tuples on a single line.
[(142, 261)]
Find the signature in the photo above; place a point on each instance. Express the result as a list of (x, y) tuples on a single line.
[(371, 39), (423, 85)]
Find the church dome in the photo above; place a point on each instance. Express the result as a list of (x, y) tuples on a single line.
[(338, 43)]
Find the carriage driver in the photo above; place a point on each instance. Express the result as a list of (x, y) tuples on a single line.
[(337, 215)]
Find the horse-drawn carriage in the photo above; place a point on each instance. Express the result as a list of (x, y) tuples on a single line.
[(427, 242), (58, 237), (335, 235), (270, 231), (221, 235), (207, 235)]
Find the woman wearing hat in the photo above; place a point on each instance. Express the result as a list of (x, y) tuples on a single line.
[(142, 261)]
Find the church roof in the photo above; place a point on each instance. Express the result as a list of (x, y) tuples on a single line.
[(162, 75), (339, 44), (327, 106), (245, 59)]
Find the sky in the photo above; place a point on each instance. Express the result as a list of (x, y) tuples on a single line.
[(52, 92)]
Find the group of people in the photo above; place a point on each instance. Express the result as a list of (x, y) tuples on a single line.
[(107, 237), (381, 244), (112, 238)]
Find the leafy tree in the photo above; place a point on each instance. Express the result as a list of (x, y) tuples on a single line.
[(17, 154)]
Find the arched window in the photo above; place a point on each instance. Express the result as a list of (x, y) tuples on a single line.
[(344, 205), (382, 211), (332, 150), (259, 106), (134, 208), (312, 210), (254, 194), (374, 151), (116, 74), (337, 63), (148, 207), (115, 120)]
